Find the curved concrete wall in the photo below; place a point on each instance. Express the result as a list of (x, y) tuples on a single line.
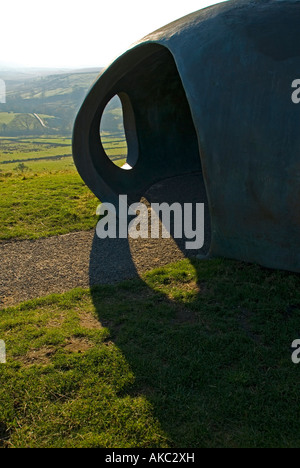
[(212, 92)]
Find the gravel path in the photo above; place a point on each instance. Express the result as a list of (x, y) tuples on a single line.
[(31, 269)]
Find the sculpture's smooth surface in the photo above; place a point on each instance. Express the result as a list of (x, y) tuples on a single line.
[(211, 92)]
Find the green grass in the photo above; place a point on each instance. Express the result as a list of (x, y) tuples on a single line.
[(115, 148), (46, 204), (196, 354), (14, 149), (42, 195), (6, 117)]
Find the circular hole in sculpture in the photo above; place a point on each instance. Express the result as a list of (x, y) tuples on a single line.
[(118, 132)]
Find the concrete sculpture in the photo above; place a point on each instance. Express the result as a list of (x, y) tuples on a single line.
[(211, 92)]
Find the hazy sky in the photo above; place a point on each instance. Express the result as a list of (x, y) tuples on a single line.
[(85, 33)]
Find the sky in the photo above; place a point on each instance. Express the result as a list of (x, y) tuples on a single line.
[(79, 34)]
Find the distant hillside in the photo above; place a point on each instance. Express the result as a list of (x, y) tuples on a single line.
[(48, 104)]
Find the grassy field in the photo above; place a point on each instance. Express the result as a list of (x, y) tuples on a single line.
[(14, 150), (196, 354), (54, 97), (41, 192), (6, 117)]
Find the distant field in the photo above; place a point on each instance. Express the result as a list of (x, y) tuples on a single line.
[(26, 149), (16, 149), (6, 117), (115, 148), (55, 98), (41, 192)]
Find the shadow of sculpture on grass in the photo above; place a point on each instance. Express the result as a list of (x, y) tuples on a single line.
[(198, 341)]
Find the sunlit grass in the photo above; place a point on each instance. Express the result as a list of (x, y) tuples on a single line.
[(196, 354), (41, 192)]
